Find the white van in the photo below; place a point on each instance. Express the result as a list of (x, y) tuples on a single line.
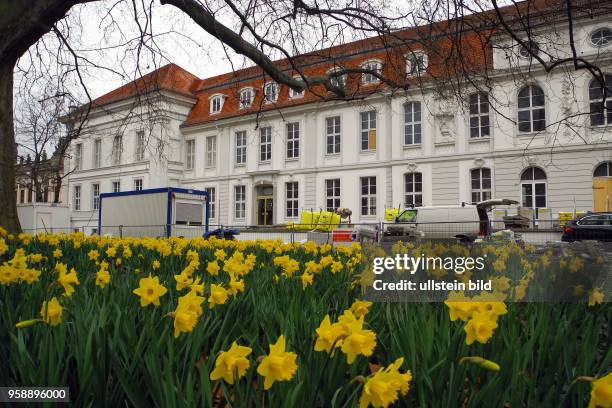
[(465, 222)]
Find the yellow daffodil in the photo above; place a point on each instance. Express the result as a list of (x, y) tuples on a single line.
[(385, 385), (306, 279), (51, 312), (102, 278), (480, 327), (187, 312), (182, 281), (155, 265), (213, 268), (279, 365), (57, 253), (601, 392), (232, 364), (67, 279), (150, 290), (218, 295), (360, 308), (328, 335)]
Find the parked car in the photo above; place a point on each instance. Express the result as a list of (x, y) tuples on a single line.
[(593, 226), (464, 222)]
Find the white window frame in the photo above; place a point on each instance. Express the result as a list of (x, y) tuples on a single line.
[(605, 113), (243, 102), (138, 181), (211, 151), (480, 192), (533, 184), (216, 102), (116, 183), (602, 44), (240, 202), (265, 146), (333, 135), (76, 197), (140, 145), (531, 109), (413, 126), (333, 198), (240, 149), (212, 203), (95, 196), (479, 119), (78, 156), (97, 153), (413, 196), (293, 140), (417, 62), (189, 154), (366, 131), (372, 65), (371, 207), (340, 80), (268, 95), (292, 196), (117, 149), (292, 93)]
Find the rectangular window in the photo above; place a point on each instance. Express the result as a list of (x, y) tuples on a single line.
[(368, 195), (77, 198), (116, 187), (265, 144), (190, 154), (412, 123), (95, 193), (332, 131), (212, 199), (479, 115), (78, 156), (22, 196), (140, 145), (241, 147), (413, 189), (481, 184), (368, 130), (117, 149), (291, 194), (211, 151), (97, 159), (138, 184), (240, 202), (332, 194), (293, 140)]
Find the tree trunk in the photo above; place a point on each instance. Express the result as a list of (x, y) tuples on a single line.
[(8, 153)]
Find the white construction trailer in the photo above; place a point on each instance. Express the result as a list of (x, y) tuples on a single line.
[(157, 212)]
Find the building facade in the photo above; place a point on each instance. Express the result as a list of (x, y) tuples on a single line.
[(265, 152)]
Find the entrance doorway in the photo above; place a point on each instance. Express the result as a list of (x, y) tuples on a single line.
[(265, 210)]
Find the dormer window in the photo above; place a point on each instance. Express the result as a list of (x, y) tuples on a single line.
[(246, 97), (369, 77), (216, 103), (601, 37), (416, 63), (337, 80), (271, 92), (296, 94)]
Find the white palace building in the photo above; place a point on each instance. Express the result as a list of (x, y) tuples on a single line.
[(265, 152)]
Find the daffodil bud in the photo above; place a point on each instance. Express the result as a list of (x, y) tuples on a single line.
[(481, 362), (26, 323)]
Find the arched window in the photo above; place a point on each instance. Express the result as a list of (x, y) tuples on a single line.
[(216, 103), (337, 80), (413, 189), (531, 112), (479, 115), (481, 184), (533, 187), (603, 170), (600, 101)]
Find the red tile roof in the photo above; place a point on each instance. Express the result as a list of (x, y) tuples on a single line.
[(454, 47)]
